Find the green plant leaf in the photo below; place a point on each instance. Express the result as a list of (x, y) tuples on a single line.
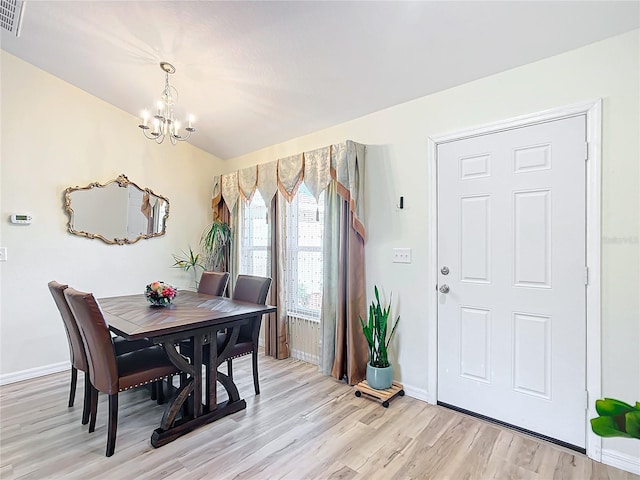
[(368, 332), (612, 407), (190, 261), (214, 241), (606, 427), (393, 330), (632, 423)]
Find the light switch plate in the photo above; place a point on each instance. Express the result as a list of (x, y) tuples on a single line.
[(3, 254), (401, 255)]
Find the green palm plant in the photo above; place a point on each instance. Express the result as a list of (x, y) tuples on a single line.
[(215, 240), (189, 261), (375, 331)]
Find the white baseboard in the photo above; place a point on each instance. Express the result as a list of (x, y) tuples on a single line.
[(30, 373), (621, 461), (417, 393)]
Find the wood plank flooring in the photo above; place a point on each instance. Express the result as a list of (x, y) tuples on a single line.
[(302, 426)]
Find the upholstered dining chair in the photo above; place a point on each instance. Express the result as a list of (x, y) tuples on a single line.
[(76, 347), (213, 283), (254, 289), (109, 373), (248, 288)]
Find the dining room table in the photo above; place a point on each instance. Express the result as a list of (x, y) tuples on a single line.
[(195, 318)]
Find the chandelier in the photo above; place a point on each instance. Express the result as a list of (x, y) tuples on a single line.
[(164, 124)]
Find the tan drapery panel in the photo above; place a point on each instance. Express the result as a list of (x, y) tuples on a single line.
[(220, 212), (347, 168), (216, 195), (344, 349), (219, 207), (351, 350), (234, 257), (276, 343)]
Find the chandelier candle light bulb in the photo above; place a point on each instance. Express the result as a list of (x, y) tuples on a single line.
[(164, 124)]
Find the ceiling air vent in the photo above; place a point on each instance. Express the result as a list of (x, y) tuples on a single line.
[(11, 12)]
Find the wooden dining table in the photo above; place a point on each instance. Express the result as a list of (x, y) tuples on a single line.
[(195, 318)]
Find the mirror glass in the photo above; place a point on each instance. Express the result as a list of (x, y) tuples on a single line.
[(118, 212)]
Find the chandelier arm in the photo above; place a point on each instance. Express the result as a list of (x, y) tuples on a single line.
[(150, 137)]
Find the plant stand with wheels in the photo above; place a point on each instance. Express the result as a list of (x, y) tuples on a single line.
[(384, 396)]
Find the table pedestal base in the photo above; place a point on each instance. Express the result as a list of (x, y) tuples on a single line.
[(162, 437)]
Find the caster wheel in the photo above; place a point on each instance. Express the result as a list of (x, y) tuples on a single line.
[(401, 393), (385, 404), (358, 393)]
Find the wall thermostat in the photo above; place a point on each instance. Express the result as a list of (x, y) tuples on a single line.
[(20, 218)]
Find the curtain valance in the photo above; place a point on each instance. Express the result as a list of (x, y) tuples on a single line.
[(343, 162)]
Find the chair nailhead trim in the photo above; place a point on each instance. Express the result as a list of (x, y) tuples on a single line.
[(239, 356), (146, 383)]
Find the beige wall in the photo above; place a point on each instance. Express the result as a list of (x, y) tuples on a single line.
[(55, 136), (397, 165)]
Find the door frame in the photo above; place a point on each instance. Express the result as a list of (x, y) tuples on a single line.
[(593, 111)]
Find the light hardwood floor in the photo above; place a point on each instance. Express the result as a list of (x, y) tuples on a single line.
[(302, 426)]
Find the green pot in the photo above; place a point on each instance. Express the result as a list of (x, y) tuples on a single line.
[(379, 378)]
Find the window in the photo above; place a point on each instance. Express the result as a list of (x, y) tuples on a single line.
[(305, 226), (255, 238), (303, 269)]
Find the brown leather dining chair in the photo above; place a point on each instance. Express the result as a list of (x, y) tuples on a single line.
[(109, 373), (254, 289), (76, 347), (248, 288), (213, 283)]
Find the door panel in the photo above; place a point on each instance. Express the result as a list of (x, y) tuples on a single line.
[(511, 230), (532, 354), (475, 343), (475, 238), (532, 239)]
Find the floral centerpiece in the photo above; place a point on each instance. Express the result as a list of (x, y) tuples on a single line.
[(160, 293)]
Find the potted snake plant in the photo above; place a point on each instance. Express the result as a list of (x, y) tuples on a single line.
[(379, 370)]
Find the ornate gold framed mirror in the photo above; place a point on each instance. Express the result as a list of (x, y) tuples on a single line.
[(118, 212)]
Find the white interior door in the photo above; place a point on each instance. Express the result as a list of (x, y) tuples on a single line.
[(511, 232)]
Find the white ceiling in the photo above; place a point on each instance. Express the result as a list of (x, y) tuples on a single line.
[(259, 73)]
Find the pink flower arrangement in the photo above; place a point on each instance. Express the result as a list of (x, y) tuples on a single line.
[(160, 293)]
